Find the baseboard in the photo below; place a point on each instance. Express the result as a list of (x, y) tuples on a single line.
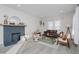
[(76, 45)]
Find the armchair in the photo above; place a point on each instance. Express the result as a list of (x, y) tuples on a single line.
[(64, 39)]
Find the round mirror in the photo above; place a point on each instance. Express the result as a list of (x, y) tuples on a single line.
[(14, 20)]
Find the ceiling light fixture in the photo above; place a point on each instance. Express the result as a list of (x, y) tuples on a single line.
[(61, 11), (18, 5)]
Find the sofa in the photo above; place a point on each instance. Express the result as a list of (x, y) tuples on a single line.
[(51, 33)]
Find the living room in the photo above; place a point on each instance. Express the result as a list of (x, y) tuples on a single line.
[(50, 26)]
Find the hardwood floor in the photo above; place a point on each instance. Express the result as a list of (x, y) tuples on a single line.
[(4, 49), (32, 47)]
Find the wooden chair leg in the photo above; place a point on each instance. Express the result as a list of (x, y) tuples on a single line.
[(68, 45), (57, 42)]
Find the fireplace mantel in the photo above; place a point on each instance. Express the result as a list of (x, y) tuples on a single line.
[(8, 33), (11, 25)]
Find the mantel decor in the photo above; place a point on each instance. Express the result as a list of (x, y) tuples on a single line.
[(14, 20), (6, 19)]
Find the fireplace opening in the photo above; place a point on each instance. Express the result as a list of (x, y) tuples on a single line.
[(15, 37)]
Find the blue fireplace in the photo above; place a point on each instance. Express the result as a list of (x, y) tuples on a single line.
[(12, 33), (15, 37)]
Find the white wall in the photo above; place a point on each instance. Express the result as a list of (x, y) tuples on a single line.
[(30, 21), (64, 19), (76, 26), (1, 35)]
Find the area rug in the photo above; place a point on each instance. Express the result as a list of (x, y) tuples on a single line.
[(48, 40)]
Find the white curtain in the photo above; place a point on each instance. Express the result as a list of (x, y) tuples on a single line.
[(57, 25), (75, 30)]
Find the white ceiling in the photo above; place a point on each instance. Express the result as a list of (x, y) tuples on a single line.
[(42, 10)]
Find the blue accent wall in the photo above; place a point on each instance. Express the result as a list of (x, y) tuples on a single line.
[(9, 31)]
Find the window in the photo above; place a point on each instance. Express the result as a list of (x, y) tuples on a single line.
[(57, 25), (54, 25), (50, 25)]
